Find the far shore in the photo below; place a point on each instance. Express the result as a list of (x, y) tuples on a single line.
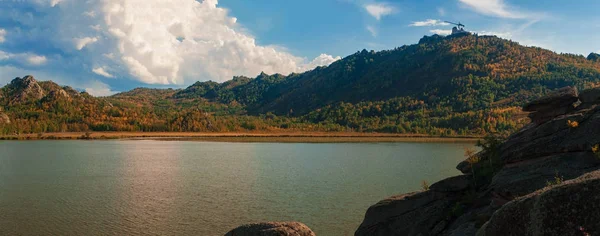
[(284, 137)]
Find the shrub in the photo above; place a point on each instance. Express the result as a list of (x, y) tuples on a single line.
[(557, 180), (572, 124), (425, 185)]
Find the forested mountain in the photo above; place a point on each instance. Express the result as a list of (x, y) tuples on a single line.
[(441, 86)]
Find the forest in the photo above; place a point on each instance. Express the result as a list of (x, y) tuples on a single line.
[(442, 86)]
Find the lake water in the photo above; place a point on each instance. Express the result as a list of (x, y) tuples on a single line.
[(204, 188)]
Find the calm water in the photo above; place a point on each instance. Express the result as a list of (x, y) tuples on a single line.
[(204, 188)]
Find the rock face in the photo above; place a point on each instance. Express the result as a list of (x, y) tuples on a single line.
[(554, 104), (562, 143), (25, 89), (571, 208), (272, 229), (426, 211)]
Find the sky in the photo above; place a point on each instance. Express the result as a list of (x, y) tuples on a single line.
[(107, 46)]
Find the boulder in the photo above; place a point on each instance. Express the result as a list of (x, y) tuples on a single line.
[(452, 184), (590, 96), (525, 177), (272, 229), (553, 137), (419, 213), (554, 104), (570, 208), (562, 97)]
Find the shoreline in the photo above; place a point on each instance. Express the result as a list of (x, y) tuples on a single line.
[(282, 137)]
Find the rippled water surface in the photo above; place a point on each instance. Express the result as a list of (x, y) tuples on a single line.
[(204, 188)]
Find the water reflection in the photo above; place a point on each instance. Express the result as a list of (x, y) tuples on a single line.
[(195, 188)]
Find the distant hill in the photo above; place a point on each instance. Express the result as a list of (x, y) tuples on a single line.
[(442, 86)]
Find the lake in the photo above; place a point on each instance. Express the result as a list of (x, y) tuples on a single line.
[(137, 187)]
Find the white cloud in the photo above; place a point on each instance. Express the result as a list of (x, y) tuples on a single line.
[(379, 10), (496, 8), (428, 22), (372, 30), (54, 2), (30, 59), (36, 60), (99, 89), (321, 60), (506, 35), (213, 47), (441, 32), (80, 43), (2, 35), (101, 71), (152, 41)]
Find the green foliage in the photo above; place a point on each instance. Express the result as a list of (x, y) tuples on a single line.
[(556, 181), (443, 86)]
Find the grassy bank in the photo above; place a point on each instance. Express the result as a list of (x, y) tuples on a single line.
[(293, 137)]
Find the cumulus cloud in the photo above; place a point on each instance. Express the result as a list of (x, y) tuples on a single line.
[(441, 31), (199, 40), (2, 35), (496, 8), (379, 10), (151, 41), (101, 71), (80, 43), (428, 22), (99, 89)]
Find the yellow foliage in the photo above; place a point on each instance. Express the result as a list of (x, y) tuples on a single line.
[(572, 124)]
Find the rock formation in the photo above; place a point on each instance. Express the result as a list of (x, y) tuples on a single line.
[(272, 229), (25, 89), (515, 189), (569, 208)]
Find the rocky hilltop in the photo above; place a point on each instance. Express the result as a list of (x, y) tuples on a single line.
[(541, 180)]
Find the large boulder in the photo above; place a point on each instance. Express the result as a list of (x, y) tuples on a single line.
[(554, 104), (428, 212), (590, 96), (525, 177), (272, 229), (570, 208)]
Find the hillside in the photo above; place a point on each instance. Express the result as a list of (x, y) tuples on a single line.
[(440, 86)]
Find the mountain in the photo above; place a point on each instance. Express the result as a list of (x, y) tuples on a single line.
[(468, 85), (594, 57)]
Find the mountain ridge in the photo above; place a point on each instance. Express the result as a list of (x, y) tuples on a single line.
[(469, 85)]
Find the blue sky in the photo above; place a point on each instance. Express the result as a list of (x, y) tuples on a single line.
[(115, 45)]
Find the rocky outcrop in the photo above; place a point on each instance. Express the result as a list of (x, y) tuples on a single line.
[(559, 145), (426, 211), (272, 229), (570, 208), (25, 89), (557, 103)]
